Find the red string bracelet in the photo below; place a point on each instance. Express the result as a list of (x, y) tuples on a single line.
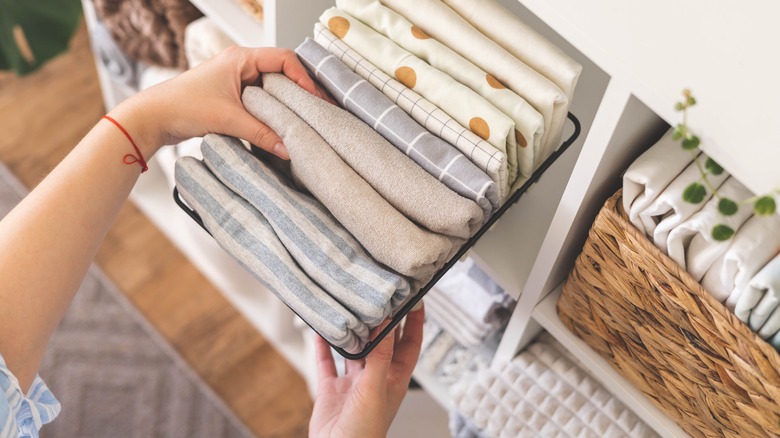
[(130, 158)]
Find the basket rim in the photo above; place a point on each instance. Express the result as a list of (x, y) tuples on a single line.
[(613, 207)]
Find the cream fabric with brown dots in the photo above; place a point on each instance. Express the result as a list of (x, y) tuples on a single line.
[(463, 104), (439, 21), (529, 124), (543, 393), (481, 153)]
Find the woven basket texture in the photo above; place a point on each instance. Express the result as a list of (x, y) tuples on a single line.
[(664, 333)]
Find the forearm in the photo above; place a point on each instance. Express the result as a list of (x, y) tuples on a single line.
[(49, 240)]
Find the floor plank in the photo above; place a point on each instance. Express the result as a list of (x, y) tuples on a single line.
[(44, 115)]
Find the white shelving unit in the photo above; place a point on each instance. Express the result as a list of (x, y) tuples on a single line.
[(636, 60)]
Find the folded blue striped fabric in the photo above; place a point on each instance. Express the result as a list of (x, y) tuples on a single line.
[(316, 241), (433, 154), (249, 238)]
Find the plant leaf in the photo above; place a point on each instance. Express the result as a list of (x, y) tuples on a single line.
[(691, 143), (727, 207), (678, 132), (722, 232), (679, 106), (694, 193), (690, 101), (765, 206), (713, 167)]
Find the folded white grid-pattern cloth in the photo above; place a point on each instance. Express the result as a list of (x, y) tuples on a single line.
[(691, 244), (669, 209), (463, 104), (519, 39), (249, 238), (404, 184), (480, 152), (758, 302), (433, 154), (541, 393), (752, 247), (650, 174), (319, 244), (439, 21), (389, 236), (529, 124)]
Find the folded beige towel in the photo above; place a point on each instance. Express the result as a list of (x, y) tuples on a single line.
[(387, 235), (402, 182)]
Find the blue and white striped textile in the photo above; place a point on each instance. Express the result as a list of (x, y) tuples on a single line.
[(249, 238), (320, 245), (433, 154), (23, 416)]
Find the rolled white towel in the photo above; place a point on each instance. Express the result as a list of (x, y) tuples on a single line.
[(758, 303), (691, 244), (756, 243), (650, 174), (203, 40), (669, 209)]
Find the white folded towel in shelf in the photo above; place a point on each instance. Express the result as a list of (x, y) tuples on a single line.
[(453, 320), (669, 209), (542, 393), (758, 302), (650, 174), (756, 243), (691, 244), (203, 40)]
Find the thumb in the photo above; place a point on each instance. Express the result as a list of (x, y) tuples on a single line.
[(244, 125)]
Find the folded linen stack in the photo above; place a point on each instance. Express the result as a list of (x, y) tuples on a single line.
[(468, 304), (543, 393), (740, 272), (397, 183)]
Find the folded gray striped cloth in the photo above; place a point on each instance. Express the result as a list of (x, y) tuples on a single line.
[(318, 243), (249, 238), (433, 154), (389, 236), (398, 179)]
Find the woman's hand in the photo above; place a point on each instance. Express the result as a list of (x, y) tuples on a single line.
[(207, 99), (364, 401)]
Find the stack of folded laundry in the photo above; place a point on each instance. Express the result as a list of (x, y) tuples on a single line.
[(430, 135), (541, 392), (468, 304), (742, 272)]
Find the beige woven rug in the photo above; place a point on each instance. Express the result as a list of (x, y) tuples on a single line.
[(114, 375)]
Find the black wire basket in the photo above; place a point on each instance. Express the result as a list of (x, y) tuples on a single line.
[(401, 313)]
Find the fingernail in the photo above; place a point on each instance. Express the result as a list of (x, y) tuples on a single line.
[(417, 306), (281, 151)]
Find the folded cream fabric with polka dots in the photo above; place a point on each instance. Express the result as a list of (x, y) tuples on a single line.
[(481, 153), (503, 27), (389, 236), (463, 104), (529, 124), (320, 246), (543, 393), (404, 184), (248, 237), (433, 154), (439, 21)]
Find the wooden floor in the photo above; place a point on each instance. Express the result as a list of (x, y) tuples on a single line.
[(42, 117)]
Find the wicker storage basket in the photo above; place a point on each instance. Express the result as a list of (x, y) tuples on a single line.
[(657, 326)]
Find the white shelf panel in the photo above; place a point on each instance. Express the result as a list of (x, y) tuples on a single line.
[(546, 314), (235, 22), (720, 50), (263, 310)]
